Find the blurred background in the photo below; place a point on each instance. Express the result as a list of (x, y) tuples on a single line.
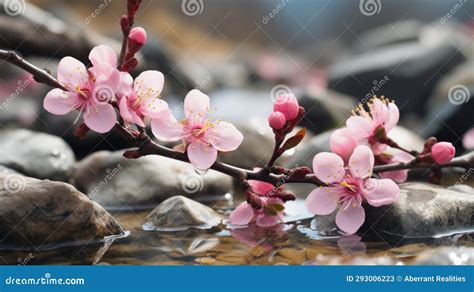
[(330, 54)]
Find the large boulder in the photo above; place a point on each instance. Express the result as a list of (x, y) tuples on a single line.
[(35, 214), (116, 182), (36, 154)]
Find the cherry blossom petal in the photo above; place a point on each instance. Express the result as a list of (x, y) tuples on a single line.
[(261, 187), (201, 156), (350, 219), (196, 105), (136, 119), (125, 86), (342, 143), (155, 108), (72, 73), (103, 54), (328, 167), (100, 118), (380, 192), (361, 162), (149, 84), (59, 102), (393, 117), (225, 137), (361, 128), (242, 215), (105, 86), (379, 112), (265, 220), (398, 176), (321, 201), (125, 111), (167, 128), (468, 139)]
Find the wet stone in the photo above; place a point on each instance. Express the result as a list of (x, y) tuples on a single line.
[(116, 182), (40, 213), (36, 154), (181, 213)]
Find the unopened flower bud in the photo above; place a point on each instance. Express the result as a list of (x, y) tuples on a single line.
[(442, 152), (276, 120), (287, 105), (138, 36)]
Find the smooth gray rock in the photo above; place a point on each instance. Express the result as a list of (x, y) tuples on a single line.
[(36, 154), (181, 213), (37, 213), (256, 148), (116, 182), (423, 210)]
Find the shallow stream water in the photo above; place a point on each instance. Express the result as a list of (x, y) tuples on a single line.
[(294, 243)]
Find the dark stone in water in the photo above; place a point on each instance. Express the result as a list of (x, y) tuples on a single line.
[(181, 213), (36, 154), (36, 214)]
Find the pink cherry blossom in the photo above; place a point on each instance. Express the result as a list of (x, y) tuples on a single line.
[(395, 156), (348, 187), (89, 91), (443, 152), (366, 127), (141, 100), (468, 139), (244, 213), (202, 137)]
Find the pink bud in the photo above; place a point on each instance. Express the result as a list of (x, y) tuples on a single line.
[(138, 35), (276, 120), (288, 105), (443, 152)]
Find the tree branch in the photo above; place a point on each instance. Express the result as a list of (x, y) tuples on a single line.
[(145, 146)]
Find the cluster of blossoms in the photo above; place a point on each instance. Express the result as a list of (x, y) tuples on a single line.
[(106, 95), (93, 92)]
